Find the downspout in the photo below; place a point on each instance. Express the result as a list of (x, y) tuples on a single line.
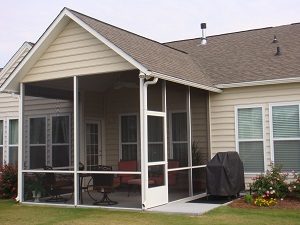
[(144, 132)]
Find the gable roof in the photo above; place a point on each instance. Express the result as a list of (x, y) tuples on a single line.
[(247, 56), (6, 71), (150, 57)]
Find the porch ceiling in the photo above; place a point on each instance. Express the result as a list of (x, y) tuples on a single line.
[(95, 83)]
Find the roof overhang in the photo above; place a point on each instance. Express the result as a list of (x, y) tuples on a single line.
[(258, 83), (185, 82)]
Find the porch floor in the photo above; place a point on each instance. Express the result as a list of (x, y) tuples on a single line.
[(184, 207)]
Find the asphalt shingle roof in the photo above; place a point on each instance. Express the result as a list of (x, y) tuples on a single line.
[(247, 56), (153, 55)]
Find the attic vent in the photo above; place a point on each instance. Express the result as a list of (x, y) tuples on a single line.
[(275, 39), (203, 38), (278, 52)]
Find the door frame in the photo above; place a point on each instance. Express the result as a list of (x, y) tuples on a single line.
[(153, 196), (101, 145)]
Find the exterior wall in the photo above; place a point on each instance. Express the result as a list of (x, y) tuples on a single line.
[(75, 51), (222, 112), (42, 107)]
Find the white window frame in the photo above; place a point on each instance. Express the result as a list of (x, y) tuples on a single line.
[(46, 137), (272, 139), (137, 136), (59, 144), (3, 159), (237, 140), (99, 122), (171, 133), (8, 144)]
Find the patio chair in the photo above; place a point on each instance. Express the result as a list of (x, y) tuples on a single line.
[(130, 165), (57, 185), (103, 183)]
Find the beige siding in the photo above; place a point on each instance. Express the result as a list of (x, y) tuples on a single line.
[(222, 111), (76, 52)]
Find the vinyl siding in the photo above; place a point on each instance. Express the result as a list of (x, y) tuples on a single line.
[(76, 52), (223, 115)]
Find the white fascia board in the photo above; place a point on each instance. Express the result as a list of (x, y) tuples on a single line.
[(25, 46), (257, 83), (108, 43), (185, 82), (9, 85)]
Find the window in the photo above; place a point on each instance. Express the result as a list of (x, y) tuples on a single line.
[(13, 142), (250, 142), (93, 145), (286, 136), (37, 143), (60, 141), (179, 138), (129, 137), (1, 143)]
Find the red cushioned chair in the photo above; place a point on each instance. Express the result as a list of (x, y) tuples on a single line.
[(130, 165)]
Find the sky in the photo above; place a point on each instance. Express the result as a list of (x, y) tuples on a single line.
[(161, 20)]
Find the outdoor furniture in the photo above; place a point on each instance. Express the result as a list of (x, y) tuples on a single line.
[(103, 183), (130, 165), (57, 185), (136, 183)]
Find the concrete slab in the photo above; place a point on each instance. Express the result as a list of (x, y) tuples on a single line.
[(184, 207)]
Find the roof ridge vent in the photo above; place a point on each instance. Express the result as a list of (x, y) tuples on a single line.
[(275, 39)]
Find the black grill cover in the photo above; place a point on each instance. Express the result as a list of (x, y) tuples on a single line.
[(225, 174)]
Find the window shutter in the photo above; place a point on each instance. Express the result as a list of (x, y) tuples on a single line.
[(250, 123), (286, 121)]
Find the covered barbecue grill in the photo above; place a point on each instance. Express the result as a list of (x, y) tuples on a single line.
[(225, 174)]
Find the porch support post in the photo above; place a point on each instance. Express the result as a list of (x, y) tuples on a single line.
[(76, 136), (142, 136), (164, 109), (20, 149), (189, 136)]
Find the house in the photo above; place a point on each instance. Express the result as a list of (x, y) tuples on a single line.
[(152, 114)]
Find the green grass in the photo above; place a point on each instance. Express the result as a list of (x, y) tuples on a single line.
[(15, 214)]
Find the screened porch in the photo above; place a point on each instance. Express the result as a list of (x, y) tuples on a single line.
[(95, 121)]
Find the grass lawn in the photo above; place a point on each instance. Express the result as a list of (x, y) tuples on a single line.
[(14, 214)]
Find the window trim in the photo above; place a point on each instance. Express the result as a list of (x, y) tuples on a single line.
[(137, 136), (46, 137), (236, 130), (60, 144), (8, 144), (271, 105)]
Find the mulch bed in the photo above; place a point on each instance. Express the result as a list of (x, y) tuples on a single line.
[(286, 203)]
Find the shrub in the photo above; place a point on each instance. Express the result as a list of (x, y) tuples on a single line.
[(8, 181), (248, 198), (294, 186), (266, 202), (272, 184)]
